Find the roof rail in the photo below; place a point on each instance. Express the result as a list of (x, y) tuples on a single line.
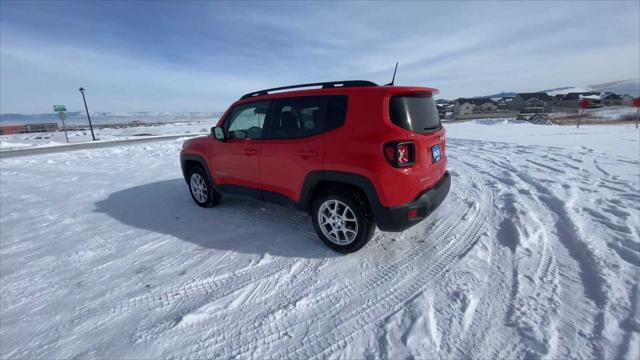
[(325, 85)]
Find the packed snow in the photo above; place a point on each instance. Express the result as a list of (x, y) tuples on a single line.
[(534, 254)]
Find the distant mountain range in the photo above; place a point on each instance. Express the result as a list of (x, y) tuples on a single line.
[(498, 95), (621, 87), (105, 118)]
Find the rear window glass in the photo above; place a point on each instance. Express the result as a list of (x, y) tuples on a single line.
[(415, 112), (297, 117), (336, 112)]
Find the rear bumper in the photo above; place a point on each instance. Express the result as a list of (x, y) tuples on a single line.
[(396, 218)]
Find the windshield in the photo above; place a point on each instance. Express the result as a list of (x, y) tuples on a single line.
[(415, 112)]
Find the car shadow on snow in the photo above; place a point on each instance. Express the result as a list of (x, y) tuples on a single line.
[(237, 224)]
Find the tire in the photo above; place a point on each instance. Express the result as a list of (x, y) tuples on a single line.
[(200, 188), (343, 230)]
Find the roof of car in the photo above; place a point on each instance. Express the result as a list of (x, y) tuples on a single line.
[(333, 87)]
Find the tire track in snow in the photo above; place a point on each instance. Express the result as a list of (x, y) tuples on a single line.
[(373, 310), (501, 281), (544, 202), (255, 333), (591, 281), (213, 288), (343, 297)]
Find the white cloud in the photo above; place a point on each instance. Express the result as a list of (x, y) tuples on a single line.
[(463, 48)]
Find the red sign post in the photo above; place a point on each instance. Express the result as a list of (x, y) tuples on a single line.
[(584, 104), (636, 103)]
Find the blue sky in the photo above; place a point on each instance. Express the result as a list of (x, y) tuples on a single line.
[(201, 56)]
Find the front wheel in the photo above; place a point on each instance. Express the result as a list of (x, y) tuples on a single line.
[(342, 221), (201, 189)]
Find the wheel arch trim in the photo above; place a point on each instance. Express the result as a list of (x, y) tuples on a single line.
[(184, 158), (315, 177)]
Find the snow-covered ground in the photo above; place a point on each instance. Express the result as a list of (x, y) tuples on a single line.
[(623, 140), (605, 113), (21, 141), (534, 254)]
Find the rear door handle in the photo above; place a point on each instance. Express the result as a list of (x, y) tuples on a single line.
[(306, 154), (250, 152)]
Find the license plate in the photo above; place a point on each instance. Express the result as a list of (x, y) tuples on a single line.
[(435, 152)]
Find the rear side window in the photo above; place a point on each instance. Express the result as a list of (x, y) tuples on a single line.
[(299, 117), (415, 112)]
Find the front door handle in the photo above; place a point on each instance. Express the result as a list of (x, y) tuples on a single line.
[(307, 154), (250, 152)]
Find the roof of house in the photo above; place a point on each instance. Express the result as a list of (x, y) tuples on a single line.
[(590, 97), (610, 96), (538, 95), (475, 101), (577, 95)]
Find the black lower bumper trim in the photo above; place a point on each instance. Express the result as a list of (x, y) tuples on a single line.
[(396, 219)]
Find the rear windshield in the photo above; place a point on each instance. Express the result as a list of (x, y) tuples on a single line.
[(415, 112)]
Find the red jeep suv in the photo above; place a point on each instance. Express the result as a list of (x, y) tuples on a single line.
[(353, 154)]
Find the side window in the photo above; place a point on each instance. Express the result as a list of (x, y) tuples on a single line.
[(247, 120), (297, 117), (336, 112)]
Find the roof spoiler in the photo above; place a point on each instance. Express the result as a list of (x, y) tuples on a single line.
[(324, 85)]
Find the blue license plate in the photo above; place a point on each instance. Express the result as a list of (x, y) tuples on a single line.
[(435, 152)]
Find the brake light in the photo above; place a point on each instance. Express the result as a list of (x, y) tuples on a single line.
[(403, 154), (400, 154)]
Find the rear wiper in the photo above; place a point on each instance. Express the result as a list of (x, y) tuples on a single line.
[(433, 128)]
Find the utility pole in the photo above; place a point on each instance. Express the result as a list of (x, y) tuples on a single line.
[(87, 110)]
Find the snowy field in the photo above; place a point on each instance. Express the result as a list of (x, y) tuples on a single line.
[(534, 254), (606, 113), (21, 141)]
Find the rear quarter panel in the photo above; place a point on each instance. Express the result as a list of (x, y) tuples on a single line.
[(357, 148)]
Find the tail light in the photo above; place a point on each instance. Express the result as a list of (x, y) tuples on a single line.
[(400, 154)]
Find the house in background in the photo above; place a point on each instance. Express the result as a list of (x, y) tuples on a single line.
[(610, 99), (503, 102), (532, 102), (28, 128), (596, 99), (465, 106), (572, 100), (444, 107), (12, 129), (627, 100)]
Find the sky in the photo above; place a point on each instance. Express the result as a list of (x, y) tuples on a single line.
[(201, 56)]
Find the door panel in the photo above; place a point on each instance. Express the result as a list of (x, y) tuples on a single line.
[(295, 144), (284, 164), (235, 160)]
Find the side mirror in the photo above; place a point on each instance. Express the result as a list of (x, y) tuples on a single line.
[(218, 133)]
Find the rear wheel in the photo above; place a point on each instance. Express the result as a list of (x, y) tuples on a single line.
[(342, 221), (201, 189)]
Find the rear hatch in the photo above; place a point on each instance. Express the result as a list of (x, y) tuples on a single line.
[(417, 113)]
